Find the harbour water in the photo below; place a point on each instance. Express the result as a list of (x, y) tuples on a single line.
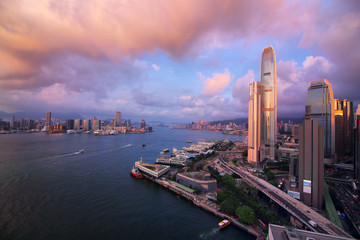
[(50, 191)]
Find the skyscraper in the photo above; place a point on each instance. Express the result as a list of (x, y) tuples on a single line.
[(77, 124), (357, 144), (48, 120), (143, 124), (86, 124), (117, 119), (311, 163), (268, 102), (320, 106), (344, 122), (254, 122)]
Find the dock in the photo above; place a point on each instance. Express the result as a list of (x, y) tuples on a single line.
[(202, 203)]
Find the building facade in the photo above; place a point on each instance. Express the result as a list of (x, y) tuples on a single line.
[(254, 123), (344, 132), (117, 122), (48, 120), (200, 180), (311, 163), (262, 118), (357, 145), (269, 102), (320, 107)]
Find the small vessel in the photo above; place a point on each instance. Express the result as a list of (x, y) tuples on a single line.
[(136, 173), (189, 141), (81, 151), (143, 145), (166, 150), (223, 223)]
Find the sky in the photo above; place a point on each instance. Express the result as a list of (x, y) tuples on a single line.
[(172, 60)]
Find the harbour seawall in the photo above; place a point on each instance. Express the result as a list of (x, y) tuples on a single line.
[(196, 200)]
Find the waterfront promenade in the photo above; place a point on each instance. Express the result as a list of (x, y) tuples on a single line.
[(202, 202)]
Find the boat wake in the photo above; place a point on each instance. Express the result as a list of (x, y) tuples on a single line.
[(209, 234), (125, 146)]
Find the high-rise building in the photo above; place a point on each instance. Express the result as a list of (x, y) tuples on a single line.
[(143, 124), (320, 106), (311, 163), (48, 120), (77, 124), (344, 122), (96, 125), (269, 102), (357, 145), (254, 123), (262, 125), (69, 123), (117, 119), (86, 124)]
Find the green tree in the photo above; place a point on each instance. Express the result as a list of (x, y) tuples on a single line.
[(197, 190), (228, 181), (229, 205), (245, 214)]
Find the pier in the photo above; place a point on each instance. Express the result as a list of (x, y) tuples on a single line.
[(202, 202)]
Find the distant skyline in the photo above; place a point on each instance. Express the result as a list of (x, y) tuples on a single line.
[(176, 61)]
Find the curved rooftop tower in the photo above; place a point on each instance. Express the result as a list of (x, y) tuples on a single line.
[(269, 102), (320, 106)]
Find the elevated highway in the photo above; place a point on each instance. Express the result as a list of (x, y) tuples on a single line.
[(299, 210)]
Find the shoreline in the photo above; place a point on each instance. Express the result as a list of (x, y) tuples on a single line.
[(195, 199)]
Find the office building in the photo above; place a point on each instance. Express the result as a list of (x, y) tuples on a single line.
[(262, 121), (320, 107), (117, 122), (357, 145), (254, 123), (143, 124), (96, 125), (311, 163), (77, 124), (69, 124), (48, 120), (86, 125), (269, 102), (344, 122)]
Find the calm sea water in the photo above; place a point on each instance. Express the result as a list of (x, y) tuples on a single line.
[(49, 192)]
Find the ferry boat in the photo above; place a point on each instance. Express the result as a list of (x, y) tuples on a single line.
[(136, 173), (223, 223)]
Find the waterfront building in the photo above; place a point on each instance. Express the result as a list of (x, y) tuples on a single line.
[(357, 145), (154, 170), (254, 122), (96, 125), (277, 232), (269, 102), (69, 123), (142, 124), (311, 163), (77, 124), (320, 107), (200, 180), (262, 119), (48, 120), (86, 125), (117, 122), (344, 121), (295, 132)]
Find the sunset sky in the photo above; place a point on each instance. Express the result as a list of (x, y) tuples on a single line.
[(172, 60)]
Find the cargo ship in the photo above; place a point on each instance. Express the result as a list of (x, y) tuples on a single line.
[(223, 223), (136, 173)]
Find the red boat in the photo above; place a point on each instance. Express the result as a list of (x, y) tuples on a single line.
[(136, 173)]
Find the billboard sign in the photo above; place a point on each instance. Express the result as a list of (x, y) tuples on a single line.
[(307, 186), (294, 194)]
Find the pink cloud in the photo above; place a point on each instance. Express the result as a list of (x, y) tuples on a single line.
[(241, 87), (217, 84)]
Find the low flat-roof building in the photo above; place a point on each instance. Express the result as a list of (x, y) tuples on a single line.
[(180, 160), (277, 232), (200, 180), (154, 170)]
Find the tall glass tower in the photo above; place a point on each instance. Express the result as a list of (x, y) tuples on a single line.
[(320, 106), (269, 103)]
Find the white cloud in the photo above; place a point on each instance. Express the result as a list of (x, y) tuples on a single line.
[(156, 67), (217, 84)]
